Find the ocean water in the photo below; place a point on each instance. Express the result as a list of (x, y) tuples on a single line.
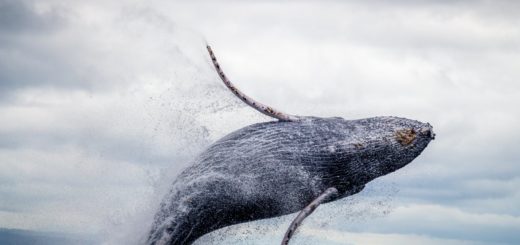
[(19, 237)]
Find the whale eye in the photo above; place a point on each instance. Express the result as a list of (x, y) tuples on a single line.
[(405, 136)]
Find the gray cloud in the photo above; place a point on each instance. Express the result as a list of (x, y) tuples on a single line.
[(20, 28), (17, 17)]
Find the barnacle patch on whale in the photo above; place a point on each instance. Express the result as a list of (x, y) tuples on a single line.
[(405, 136)]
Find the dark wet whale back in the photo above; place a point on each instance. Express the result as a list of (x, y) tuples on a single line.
[(276, 168)]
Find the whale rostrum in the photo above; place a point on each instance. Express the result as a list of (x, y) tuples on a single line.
[(281, 167)]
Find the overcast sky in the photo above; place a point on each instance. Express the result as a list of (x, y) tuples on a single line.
[(102, 103)]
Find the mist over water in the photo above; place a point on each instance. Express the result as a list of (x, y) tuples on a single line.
[(174, 114)]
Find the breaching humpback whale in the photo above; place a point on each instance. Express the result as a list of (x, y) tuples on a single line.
[(281, 167)]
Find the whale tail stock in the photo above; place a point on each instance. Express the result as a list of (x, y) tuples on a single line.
[(267, 110)]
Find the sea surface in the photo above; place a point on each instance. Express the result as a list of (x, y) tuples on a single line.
[(27, 237)]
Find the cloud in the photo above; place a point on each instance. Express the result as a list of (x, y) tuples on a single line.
[(102, 103), (22, 17), (452, 223)]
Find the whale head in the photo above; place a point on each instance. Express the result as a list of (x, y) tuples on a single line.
[(359, 151)]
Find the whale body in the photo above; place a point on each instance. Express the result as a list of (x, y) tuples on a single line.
[(276, 168)]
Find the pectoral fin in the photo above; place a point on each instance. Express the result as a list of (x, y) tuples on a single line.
[(267, 110), (330, 192)]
